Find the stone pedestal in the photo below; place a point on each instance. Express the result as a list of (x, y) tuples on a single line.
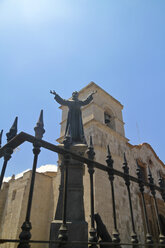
[(76, 224)]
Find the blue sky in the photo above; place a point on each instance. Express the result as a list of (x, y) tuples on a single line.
[(63, 45)]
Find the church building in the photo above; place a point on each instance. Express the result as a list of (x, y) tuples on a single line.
[(103, 120)]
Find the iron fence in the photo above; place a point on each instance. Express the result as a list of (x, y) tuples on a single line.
[(14, 140)]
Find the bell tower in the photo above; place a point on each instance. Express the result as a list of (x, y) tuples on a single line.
[(102, 119)]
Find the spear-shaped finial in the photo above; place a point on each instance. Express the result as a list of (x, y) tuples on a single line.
[(109, 159), (91, 141), (39, 129), (138, 170), (150, 178), (125, 165), (108, 150), (1, 137), (90, 151), (125, 160), (13, 130)]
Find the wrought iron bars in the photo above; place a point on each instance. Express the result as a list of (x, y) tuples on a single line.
[(153, 192), (125, 167), (141, 188), (25, 235), (109, 161), (91, 155), (8, 151)]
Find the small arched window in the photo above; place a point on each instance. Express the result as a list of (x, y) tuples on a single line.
[(109, 119)]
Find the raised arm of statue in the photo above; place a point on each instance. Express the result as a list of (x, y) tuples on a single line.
[(59, 99), (88, 100)]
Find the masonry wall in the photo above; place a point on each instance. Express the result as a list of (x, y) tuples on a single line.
[(15, 206)]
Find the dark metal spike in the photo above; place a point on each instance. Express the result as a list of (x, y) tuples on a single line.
[(1, 137), (149, 172), (138, 170), (39, 129), (126, 172), (125, 160), (108, 150), (109, 159), (125, 165), (150, 178), (90, 150), (13, 130), (40, 120), (91, 142)]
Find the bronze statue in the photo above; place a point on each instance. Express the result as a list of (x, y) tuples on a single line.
[(74, 126)]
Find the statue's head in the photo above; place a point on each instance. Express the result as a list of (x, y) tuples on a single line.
[(75, 95)]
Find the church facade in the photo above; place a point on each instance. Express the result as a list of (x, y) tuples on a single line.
[(102, 119)]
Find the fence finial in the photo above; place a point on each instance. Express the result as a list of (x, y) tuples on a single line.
[(13, 130), (91, 141), (125, 160), (90, 150), (108, 150), (138, 170), (39, 129), (109, 159), (1, 137), (125, 165), (150, 178)]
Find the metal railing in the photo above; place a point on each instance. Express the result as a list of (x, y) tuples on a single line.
[(24, 241)]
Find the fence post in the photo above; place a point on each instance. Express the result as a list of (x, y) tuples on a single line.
[(91, 154), (115, 233), (141, 188), (153, 192), (25, 235), (125, 167), (8, 151)]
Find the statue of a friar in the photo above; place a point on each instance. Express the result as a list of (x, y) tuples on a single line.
[(74, 126)]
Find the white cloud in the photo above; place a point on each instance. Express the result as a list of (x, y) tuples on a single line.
[(6, 179), (41, 169), (47, 167)]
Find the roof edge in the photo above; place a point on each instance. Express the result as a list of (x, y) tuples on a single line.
[(148, 146), (94, 84)]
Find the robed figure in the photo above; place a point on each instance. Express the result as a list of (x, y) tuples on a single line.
[(74, 127)]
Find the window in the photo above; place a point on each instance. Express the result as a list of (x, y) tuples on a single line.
[(109, 119)]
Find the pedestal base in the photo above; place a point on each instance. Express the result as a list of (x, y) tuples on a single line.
[(77, 231), (75, 216)]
